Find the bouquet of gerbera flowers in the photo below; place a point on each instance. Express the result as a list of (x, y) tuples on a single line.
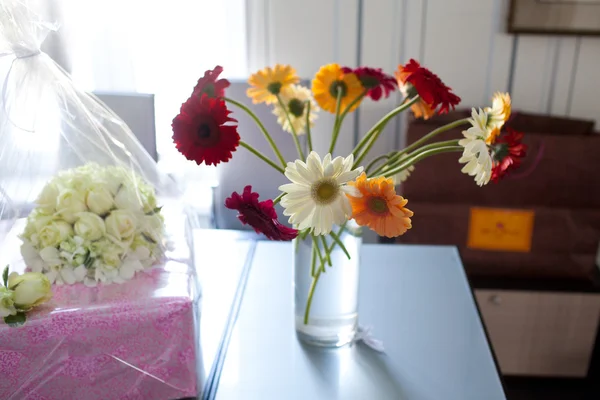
[(324, 191)]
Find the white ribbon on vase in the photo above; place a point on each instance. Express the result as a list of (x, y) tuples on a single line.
[(365, 333)]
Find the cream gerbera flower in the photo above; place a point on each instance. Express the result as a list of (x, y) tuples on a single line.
[(476, 154), (500, 110), (295, 98), (316, 198)]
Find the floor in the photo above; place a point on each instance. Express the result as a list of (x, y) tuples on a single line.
[(549, 389)]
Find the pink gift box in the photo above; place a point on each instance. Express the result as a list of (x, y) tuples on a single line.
[(136, 340)]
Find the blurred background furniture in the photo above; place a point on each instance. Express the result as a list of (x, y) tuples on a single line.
[(541, 303)]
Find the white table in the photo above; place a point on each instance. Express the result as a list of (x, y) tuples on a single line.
[(416, 298)]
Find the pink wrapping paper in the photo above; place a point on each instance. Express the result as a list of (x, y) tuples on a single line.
[(136, 340)]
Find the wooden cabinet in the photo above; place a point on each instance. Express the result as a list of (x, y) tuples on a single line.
[(541, 333)]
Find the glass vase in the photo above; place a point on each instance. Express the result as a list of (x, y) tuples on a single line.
[(326, 293)]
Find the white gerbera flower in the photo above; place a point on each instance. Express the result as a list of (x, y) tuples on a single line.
[(476, 154), (294, 98), (316, 198)]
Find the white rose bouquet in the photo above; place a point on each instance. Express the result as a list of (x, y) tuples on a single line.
[(93, 224), (20, 293)]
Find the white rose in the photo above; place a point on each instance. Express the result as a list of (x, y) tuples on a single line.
[(7, 302), (153, 227), (121, 224), (30, 289), (47, 198), (128, 198), (69, 204), (89, 226), (99, 199), (54, 233)]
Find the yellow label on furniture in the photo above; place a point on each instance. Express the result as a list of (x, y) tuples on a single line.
[(500, 229)]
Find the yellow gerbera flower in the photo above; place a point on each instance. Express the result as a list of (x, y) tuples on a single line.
[(499, 112), (269, 82), (325, 88), (379, 207)]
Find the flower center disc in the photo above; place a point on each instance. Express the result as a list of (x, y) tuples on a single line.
[(274, 87), (333, 89), (207, 134), (325, 192), (377, 205), (296, 107), (369, 82)]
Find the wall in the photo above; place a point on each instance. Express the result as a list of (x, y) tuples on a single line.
[(463, 41)]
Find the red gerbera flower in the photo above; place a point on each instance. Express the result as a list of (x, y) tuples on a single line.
[(428, 85), (210, 85), (260, 215), (507, 152), (375, 80), (200, 133)]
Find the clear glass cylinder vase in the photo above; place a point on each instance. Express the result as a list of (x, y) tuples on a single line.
[(326, 294)]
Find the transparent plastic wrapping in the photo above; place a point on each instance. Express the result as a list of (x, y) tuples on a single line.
[(72, 167), (82, 202)]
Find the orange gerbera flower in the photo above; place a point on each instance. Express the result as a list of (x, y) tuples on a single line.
[(380, 208)]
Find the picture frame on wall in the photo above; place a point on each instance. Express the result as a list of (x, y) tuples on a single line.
[(563, 17)]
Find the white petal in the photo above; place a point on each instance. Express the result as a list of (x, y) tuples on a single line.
[(68, 276), (315, 166), (303, 170), (80, 273), (304, 217), (347, 176), (294, 187), (327, 214), (351, 190), (51, 275), (346, 208), (294, 176), (338, 165), (348, 161)]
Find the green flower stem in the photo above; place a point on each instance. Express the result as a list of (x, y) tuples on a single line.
[(294, 133), (278, 199), (262, 128), (327, 256), (376, 160), (337, 240), (308, 135), (339, 121), (421, 156), (319, 270), (364, 153), (395, 160), (336, 130), (261, 156), (382, 122), (313, 262), (316, 246), (433, 133), (311, 293)]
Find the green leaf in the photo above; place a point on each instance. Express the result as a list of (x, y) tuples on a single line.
[(156, 210), (5, 276), (15, 320), (148, 238)]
